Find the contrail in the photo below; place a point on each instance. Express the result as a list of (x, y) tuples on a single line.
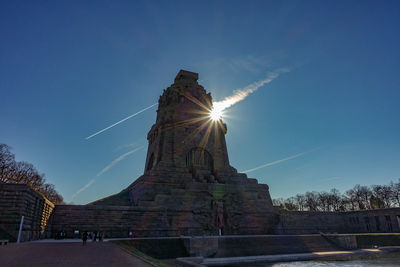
[(127, 118), (242, 93), (279, 161), (331, 179), (109, 166), (82, 189), (115, 161)]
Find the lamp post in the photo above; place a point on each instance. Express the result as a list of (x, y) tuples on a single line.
[(20, 229)]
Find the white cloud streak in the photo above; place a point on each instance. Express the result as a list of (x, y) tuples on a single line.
[(115, 124), (109, 166), (128, 145), (82, 188), (330, 179), (115, 161), (242, 93), (278, 161)]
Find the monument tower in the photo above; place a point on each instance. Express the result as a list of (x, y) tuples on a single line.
[(184, 138), (187, 179)]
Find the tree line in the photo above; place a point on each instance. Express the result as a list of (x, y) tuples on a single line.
[(22, 172), (357, 198)]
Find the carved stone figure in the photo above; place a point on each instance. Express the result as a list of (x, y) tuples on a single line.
[(219, 214)]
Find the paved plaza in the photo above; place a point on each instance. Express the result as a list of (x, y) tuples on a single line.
[(67, 254)]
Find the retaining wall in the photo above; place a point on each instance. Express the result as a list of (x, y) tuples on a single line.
[(17, 200), (367, 221)]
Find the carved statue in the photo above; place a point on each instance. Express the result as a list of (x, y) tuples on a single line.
[(219, 214)]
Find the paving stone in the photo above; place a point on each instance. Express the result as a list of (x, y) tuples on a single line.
[(67, 254)]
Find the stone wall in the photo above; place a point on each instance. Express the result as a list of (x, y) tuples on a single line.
[(152, 221), (231, 246), (376, 221), (307, 222), (118, 221), (17, 200), (239, 246)]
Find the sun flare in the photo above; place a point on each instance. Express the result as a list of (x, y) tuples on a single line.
[(216, 114)]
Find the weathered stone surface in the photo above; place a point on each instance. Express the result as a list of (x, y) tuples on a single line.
[(313, 222), (201, 246), (17, 200), (68, 254), (343, 241)]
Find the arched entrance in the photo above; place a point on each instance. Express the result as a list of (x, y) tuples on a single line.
[(200, 164)]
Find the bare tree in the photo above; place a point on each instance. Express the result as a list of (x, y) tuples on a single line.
[(300, 201), (278, 202), (396, 192), (351, 199), (357, 198), (336, 199), (345, 204), (25, 173), (290, 204), (50, 192), (376, 202), (364, 193), (324, 201), (7, 163), (384, 193), (312, 201)]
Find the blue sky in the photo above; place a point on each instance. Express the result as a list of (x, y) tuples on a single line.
[(71, 68)]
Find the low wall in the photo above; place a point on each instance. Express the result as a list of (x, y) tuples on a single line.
[(158, 221), (271, 244), (17, 200), (377, 240), (239, 246), (308, 222), (373, 221), (230, 246), (343, 241), (159, 248), (155, 221), (118, 221)]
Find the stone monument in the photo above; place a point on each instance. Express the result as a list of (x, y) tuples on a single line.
[(187, 169), (189, 188)]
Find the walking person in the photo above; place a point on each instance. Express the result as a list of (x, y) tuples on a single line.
[(101, 236), (84, 238)]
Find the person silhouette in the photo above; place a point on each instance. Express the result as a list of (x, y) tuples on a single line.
[(84, 238)]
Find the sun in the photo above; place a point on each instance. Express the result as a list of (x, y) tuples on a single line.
[(216, 114)]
